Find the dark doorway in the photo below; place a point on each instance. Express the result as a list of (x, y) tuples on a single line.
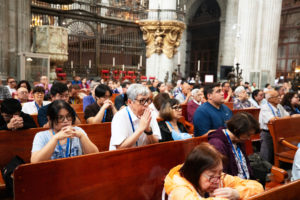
[(204, 30)]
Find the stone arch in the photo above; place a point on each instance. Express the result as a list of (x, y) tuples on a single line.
[(81, 28)]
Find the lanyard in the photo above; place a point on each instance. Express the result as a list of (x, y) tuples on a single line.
[(297, 110), (239, 157), (104, 116), (278, 111), (37, 106), (60, 148), (131, 123), (172, 126)]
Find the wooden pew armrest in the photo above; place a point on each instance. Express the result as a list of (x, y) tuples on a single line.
[(287, 144), (279, 175)]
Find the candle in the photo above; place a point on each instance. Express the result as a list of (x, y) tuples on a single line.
[(123, 67), (114, 61), (141, 61), (178, 58), (199, 65), (138, 66), (90, 64), (71, 64)]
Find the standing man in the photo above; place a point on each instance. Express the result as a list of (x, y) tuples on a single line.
[(212, 114), (267, 112), (134, 125)]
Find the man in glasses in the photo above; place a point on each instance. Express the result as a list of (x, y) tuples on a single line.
[(58, 91), (212, 114), (12, 118), (134, 125), (11, 85), (103, 109), (268, 111)]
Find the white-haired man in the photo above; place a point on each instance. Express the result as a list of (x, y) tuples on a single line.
[(268, 111), (134, 125)]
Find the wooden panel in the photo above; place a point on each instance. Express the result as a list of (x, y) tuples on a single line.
[(34, 117), (284, 128), (77, 107), (253, 111), (229, 105), (135, 173), (288, 191)]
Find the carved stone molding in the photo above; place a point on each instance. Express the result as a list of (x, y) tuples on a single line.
[(162, 36)]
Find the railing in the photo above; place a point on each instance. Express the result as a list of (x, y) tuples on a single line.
[(158, 14)]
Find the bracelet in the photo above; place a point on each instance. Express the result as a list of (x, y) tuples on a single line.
[(148, 133)]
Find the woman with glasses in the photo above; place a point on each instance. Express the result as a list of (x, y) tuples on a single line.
[(201, 177), (170, 128), (38, 101), (62, 140), (103, 109), (290, 103), (229, 142)]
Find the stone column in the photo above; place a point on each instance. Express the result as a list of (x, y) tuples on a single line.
[(162, 34), (14, 34), (246, 36), (269, 39)]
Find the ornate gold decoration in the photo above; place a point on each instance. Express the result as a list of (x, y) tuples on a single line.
[(162, 36)]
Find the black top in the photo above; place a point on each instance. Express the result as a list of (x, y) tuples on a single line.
[(28, 122), (166, 134), (93, 109), (120, 101)]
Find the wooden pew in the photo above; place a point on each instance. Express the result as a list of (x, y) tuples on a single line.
[(19, 142), (289, 191), (35, 118), (285, 135), (184, 111), (135, 173), (113, 97), (229, 105), (81, 117), (77, 107)]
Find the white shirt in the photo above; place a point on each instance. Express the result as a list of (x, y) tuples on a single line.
[(11, 90), (30, 108), (266, 114), (154, 111), (121, 129), (254, 103)]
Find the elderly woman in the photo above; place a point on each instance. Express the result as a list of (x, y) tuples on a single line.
[(201, 177), (192, 105), (229, 142), (134, 125), (38, 101), (62, 140), (290, 103), (241, 101), (257, 98), (170, 128)]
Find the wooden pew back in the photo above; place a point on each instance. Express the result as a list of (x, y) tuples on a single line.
[(19, 142), (287, 129), (136, 173), (289, 191), (35, 119), (77, 107), (229, 105)]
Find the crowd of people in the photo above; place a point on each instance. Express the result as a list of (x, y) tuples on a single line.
[(146, 113)]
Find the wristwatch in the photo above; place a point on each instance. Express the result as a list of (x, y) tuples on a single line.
[(148, 133)]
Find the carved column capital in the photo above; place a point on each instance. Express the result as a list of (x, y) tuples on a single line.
[(162, 36)]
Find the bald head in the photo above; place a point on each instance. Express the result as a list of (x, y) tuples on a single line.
[(273, 97)]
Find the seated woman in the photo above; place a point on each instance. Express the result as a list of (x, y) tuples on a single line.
[(241, 101), (201, 177), (290, 103), (229, 143), (103, 109), (170, 128), (62, 139), (38, 101), (257, 98)]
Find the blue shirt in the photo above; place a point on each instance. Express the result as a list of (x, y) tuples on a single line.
[(208, 117), (87, 100)]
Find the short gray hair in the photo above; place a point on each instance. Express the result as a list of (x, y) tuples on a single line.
[(195, 91), (135, 90), (238, 90)]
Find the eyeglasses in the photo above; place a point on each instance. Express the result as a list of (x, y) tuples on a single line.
[(214, 179), (11, 81), (62, 118), (178, 107), (144, 101), (60, 96)]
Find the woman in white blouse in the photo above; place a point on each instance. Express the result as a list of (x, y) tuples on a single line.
[(38, 101)]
